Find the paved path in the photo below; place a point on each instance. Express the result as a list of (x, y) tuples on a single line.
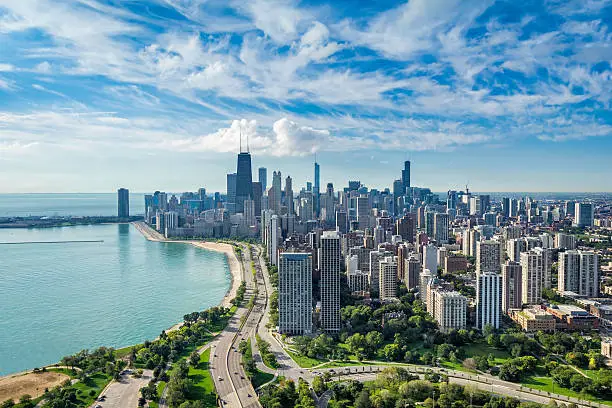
[(125, 392)]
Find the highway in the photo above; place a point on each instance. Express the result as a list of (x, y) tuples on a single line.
[(232, 384)]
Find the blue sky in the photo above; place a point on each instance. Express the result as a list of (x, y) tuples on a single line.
[(505, 96)]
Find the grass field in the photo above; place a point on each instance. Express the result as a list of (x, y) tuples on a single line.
[(305, 361), (541, 381), (203, 388), (261, 378), (483, 349), (95, 383)]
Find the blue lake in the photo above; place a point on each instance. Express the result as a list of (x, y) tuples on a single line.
[(56, 299)]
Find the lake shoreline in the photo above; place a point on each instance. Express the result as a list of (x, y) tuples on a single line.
[(232, 261)]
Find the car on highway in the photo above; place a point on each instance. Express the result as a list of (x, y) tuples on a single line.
[(219, 378)]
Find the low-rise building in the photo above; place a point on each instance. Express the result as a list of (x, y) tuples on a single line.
[(534, 319), (606, 348), (570, 317)]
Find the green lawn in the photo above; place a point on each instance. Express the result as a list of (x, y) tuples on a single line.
[(305, 361), (541, 381), (122, 352), (483, 349), (66, 371), (261, 378), (203, 388), (96, 382)]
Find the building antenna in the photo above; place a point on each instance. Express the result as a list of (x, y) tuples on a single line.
[(248, 150), (240, 130)]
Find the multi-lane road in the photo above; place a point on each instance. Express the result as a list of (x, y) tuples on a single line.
[(232, 384)]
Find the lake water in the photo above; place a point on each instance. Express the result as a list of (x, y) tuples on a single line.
[(56, 299)]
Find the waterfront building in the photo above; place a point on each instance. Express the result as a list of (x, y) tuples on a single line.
[(244, 180), (231, 193), (295, 293), (123, 203)]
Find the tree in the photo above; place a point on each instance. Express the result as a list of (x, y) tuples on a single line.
[(8, 404), (392, 352), (194, 358), (363, 400), (318, 385)]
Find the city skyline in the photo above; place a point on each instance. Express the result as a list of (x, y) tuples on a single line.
[(158, 93)]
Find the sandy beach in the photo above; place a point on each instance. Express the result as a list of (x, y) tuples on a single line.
[(233, 263)]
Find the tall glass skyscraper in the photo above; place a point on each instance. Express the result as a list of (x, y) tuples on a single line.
[(316, 189), (406, 176), (263, 178), (244, 181), (123, 201)]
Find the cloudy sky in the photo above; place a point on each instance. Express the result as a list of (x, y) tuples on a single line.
[(505, 96)]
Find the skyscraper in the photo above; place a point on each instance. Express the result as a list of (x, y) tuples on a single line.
[(488, 300), (123, 203), (488, 257), (512, 281), (441, 228), (295, 293), (263, 178), (406, 176), (289, 195), (274, 194), (584, 215), (244, 180), (579, 273), (532, 275), (231, 193), (329, 268), (316, 190), (388, 278)]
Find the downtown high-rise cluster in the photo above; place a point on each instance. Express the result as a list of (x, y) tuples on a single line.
[(325, 240)]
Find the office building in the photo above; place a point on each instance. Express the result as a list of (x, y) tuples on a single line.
[(488, 257), (451, 200), (363, 211), (406, 177), (231, 193), (123, 203), (275, 194), (512, 281), (430, 258), (441, 228), (289, 195), (488, 300), (244, 180), (406, 227), (329, 269), (316, 190), (579, 273), (341, 222), (584, 215), (532, 277), (295, 293), (263, 178)]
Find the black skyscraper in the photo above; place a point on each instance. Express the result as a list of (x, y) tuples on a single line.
[(244, 181), (406, 176), (123, 201)]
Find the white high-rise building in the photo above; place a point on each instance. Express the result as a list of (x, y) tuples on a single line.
[(488, 257), (546, 267), (450, 310), (441, 228), (295, 293), (579, 273), (430, 258), (512, 283), (329, 268), (424, 279), (272, 236), (375, 258), (584, 215), (531, 268), (488, 300), (388, 278), (514, 247)]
